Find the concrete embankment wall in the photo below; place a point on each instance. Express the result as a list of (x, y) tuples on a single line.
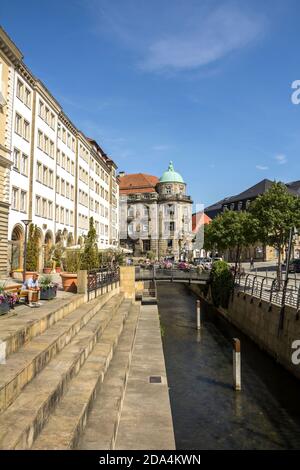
[(258, 320)]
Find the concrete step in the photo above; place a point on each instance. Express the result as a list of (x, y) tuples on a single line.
[(27, 323), (66, 424), (22, 421), (22, 366), (102, 425)]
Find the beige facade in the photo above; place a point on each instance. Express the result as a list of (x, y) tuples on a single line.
[(10, 57), (59, 177)]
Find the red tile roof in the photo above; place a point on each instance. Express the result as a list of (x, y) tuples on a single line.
[(138, 183), (198, 219)]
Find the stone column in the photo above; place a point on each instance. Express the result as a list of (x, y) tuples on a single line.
[(127, 281)]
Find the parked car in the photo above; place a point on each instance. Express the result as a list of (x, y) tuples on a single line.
[(295, 266), (217, 258)]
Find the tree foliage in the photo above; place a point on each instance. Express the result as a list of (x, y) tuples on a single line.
[(89, 257), (221, 281), (229, 229), (33, 248), (275, 212)]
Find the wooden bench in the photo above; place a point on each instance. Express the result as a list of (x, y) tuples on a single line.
[(17, 289)]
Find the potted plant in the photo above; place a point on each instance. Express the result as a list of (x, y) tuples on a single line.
[(33, 248), (48, 288), (7, 300), (48, 267), (57, 256), (71, 267)]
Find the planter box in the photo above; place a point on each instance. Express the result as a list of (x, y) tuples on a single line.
[(4, 308), (58, 269), (69, 282), (48, 294), (47, 270)]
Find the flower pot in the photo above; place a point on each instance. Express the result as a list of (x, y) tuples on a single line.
[(69, 282), (29, 274), (4, 307), (17, 274), (58, 269), (48, 293), (47, 270)]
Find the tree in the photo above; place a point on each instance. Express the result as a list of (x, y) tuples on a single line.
[(230, 230), (89, 257), (33, 248), (276, 212)]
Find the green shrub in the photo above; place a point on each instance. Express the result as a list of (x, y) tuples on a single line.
[(72, 261), (221, 281), (33, 248), (89, 257)]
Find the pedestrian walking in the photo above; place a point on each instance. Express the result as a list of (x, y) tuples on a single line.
[(251, 263)]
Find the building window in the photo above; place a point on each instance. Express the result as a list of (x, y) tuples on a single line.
[(14, 199), (16, 159), (39, 172), (44, 208), (50, 205), (24, 165), (41, 109), (28, 98), (18, 124), (20, 89), (38, 205), (23, 201), (26, 130)]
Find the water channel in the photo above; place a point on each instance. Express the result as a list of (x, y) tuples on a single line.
[(207, 412)]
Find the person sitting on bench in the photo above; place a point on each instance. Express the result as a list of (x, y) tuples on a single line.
[(32, 287)]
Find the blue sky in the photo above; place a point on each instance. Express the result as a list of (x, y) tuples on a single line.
[(204, 83)]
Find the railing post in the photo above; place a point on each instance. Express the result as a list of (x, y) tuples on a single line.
[(236, 353), (198, 315)]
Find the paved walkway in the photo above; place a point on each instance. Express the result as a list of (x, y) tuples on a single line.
[(146, 420)]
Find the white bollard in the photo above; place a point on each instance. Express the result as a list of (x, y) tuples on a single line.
[(198, 315), (236, 364)]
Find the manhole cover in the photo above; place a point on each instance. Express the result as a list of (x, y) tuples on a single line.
[(155, 379)]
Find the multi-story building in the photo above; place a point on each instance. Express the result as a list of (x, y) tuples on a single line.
[(10, 56), (156, 214), (59, 177)]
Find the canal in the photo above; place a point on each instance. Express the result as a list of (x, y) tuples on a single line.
[(207, 412)]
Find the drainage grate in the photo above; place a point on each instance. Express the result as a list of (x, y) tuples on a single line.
[(155, 379)]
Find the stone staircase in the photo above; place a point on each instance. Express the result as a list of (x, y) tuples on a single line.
[(54, 368)]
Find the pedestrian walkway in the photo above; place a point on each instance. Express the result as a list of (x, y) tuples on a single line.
[(146, 420)]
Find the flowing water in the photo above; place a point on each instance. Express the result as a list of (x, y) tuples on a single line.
[(207, 412)]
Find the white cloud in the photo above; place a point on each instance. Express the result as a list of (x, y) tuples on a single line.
[(216, 35), (261, 167), (281, 159), (176, 36)]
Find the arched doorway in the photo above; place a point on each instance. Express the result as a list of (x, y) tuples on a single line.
[(17, 247)]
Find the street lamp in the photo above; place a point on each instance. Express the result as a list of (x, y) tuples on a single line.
[(26, 223), (293, 231)]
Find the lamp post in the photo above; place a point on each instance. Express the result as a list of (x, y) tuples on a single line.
[(286, 280), (26, 223)]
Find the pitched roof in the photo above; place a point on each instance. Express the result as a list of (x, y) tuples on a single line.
[(198, 219), (138, 183), (252, 192)]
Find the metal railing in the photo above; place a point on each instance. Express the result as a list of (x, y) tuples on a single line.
[(269, 289), (101, 277), (170, 274)]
